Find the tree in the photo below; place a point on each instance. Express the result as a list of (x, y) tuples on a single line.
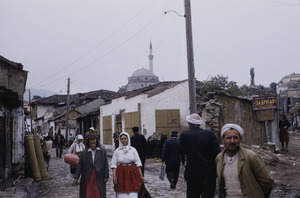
[(273, 87), (36, 97), (220, 83)]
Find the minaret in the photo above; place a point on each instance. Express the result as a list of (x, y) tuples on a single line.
[(150, 58)]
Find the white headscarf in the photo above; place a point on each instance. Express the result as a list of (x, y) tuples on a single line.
[(79, 147), (121, 146), (77, 138), (229, 126)]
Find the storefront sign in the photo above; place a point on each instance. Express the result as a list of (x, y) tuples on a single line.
[(265, 102)]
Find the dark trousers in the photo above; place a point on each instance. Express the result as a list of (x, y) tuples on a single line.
[(143, 167), (116, 145), (47, 160), (196, 187), (59, 150), (172, 171)]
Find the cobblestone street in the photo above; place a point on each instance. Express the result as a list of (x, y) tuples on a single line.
[(61, 184), (283, 167)]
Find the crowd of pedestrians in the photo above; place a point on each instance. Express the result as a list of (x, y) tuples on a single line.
[(233, 172)]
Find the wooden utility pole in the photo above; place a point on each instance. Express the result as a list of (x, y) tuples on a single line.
[(31, 129), (68, 111), (190, 57)]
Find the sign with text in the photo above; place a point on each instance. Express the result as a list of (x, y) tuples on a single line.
[(265, 102)]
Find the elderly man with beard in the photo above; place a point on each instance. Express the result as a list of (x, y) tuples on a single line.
[(241, 172)]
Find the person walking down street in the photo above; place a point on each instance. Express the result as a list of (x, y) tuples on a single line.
[(59, 143), (93, 170), (76, 148), (126, 167), (139, 142), (172, 156), (284, 136), (91, 131), (47, 150), (116, 138), (241, 172), (71, 139), (201, 148)]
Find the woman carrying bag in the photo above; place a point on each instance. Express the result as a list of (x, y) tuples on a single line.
[(76, 148)]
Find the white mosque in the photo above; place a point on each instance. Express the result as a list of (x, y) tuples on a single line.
[(142, 77)]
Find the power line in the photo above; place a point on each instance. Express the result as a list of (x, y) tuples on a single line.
[(104, 55), (93, 48)]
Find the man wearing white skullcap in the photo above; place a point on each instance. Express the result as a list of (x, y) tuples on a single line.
[(241, 172), (201, 148)]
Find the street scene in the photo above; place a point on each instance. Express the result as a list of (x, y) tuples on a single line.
[(61, 184), (184, 97), (283, 167)]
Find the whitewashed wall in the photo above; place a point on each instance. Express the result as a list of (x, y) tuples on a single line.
[(172, 98), (18, 136)]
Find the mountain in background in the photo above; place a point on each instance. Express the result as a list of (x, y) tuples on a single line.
[(37, 92)]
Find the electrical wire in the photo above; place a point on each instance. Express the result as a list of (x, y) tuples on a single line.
[(104, 55), (93, 48)]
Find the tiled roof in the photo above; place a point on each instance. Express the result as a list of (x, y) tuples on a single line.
[(55, 99), (78, 98), (152, 89), (14, 64), (106, 95)]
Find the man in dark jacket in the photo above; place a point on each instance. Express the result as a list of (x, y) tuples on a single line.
[(171, 156), (201, 148), (59, 143), (139, 142)]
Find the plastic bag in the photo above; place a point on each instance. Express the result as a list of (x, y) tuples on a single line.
[(162, 172)]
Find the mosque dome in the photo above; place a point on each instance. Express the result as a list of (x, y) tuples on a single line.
[(142, 77), (142, 72)]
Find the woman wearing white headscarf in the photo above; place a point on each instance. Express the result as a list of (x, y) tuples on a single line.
[(76, 148), (126, 166)]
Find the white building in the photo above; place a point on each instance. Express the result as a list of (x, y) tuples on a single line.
[(162, 107), (285, 82)]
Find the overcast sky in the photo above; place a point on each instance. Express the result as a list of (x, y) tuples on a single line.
[(98, 44)]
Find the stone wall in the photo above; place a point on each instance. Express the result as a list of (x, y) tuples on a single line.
[(13, 77)]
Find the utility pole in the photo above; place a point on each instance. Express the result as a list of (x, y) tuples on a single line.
[(190, 57), (68, 111), (31, 129)]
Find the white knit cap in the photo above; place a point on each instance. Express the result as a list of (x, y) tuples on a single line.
[(92, 128), (194, 119), (227, 127)]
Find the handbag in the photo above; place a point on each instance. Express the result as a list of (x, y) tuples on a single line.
[(162, 172), (143, 193), (71, 158)]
